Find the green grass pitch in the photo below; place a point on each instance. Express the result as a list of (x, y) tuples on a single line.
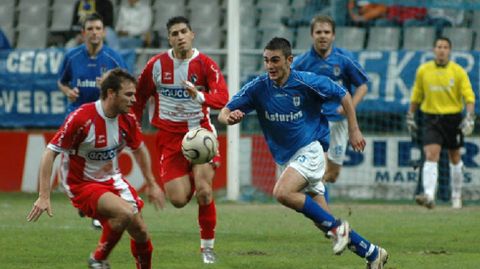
[(248, 236)]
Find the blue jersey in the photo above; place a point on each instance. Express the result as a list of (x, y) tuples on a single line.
[(338, 66), (81, 70), (290, 116)]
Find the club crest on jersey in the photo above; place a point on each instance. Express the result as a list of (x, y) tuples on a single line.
[(296, 100), (193, 78), (336, 70)]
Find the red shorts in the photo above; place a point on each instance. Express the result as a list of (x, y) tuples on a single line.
[(85, 195), (172, 162)]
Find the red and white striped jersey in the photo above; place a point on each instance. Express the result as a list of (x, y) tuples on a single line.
[(91, 142), (173, 109)]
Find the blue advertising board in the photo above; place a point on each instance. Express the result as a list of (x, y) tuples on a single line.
[(29, 96)]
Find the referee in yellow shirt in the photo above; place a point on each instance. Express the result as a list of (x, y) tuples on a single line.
[(441, 88)]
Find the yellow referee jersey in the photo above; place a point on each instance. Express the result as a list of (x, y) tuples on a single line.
[(442, 90)]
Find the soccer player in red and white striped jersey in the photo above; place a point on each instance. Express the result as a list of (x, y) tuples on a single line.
[(91, 139), (184, 85)]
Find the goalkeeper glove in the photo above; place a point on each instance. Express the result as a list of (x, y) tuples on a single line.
[(411, 125), (468, 124)]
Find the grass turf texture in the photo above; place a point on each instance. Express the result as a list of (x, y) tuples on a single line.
[(248, 236)]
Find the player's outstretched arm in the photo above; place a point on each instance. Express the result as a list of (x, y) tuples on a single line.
[(154, 192), (230, 117), (43, 202), (356, 138)]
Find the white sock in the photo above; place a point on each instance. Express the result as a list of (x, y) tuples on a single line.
[(430, 175), (207, 243), (456, 176)]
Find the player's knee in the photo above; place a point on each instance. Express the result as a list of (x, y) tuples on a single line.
[(179, 201), (204, 195), (122, 219), (282, 196)]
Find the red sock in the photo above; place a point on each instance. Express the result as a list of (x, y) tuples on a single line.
[(207, 219), (142, 252), (107, 242)]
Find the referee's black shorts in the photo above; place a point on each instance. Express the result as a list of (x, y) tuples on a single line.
[(443, 130)]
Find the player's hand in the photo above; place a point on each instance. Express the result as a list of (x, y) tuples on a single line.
[(357, 140), (73, 94), (156, 196), (468, 124), (340, 110), (39, 207), (411, 124), (235, 117), (192, 90)]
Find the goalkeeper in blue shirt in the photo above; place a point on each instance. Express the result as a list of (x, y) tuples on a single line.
[(338, 64), (288, 105)]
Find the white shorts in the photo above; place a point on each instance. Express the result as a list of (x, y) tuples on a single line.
[(338, 141), (309, 161)]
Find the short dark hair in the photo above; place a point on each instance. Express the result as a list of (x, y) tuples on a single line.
[(176, 20), (322, 19), (113, 80), (280, 43), (443, 38), (92, 17)]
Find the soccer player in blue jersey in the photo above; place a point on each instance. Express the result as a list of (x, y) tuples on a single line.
[(288, 105), (337, 64), (83, 66)]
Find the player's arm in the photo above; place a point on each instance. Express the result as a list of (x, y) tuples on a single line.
[(356, 138), (217, 95), (145, 89), (228, 117), (72, 94), (154, 193), (43, 202)]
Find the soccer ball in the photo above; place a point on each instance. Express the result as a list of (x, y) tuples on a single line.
[(199, 146)]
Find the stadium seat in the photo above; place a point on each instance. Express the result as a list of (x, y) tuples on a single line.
[(208, 38), (61, 17), (7, 16), (32, 37), (304, 39), (34, 15), (248, 37), (476, 46), (418, 38), (279, 31), (461, 37), (351, 38), (271, 15), (248, 15), (205, 15), (30, 3), (384, 38), (261, 3)]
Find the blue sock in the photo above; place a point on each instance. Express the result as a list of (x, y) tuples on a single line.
[(316, 213), (362, 247), (327, 193)]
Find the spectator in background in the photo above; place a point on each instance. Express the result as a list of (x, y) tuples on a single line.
[(364, 13), (444, 17), (84, 8), (4, 42), (133, 25), (402, 16)]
